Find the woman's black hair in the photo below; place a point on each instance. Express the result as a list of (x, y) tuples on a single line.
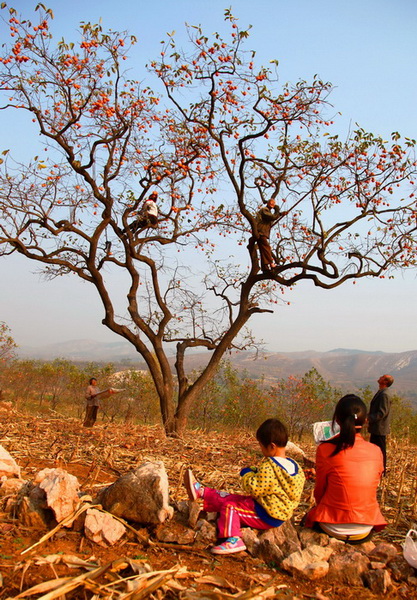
[(92, 379), (350, 415), (272, 431)]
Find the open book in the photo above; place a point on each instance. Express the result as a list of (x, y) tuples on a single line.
[(323, 431), (107, 393)]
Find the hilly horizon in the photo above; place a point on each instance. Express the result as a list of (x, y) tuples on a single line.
[(342, 367)]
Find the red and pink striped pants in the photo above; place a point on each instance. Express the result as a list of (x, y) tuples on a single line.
[(234, 510)]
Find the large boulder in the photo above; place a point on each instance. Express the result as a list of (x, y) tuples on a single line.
[(140, 496)]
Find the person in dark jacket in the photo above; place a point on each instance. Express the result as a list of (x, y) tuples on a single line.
[(266, 217), (379, 415)]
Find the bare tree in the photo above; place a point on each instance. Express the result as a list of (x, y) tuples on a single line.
[(220, 139)]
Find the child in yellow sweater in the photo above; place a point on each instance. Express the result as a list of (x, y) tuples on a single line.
[(274, 490)]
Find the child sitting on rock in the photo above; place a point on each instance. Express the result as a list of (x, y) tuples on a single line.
[(274, 490)]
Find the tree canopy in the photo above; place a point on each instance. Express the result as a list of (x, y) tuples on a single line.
[(221, 137)]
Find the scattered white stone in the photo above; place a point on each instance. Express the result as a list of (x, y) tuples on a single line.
[(102, 529), (277, 543), (310, 562), (194, 510), (8, 465), (366, 547), (309, 537), (29, 515), (61, 489), (316, 570), (10, 487), (337, 545), (400, 569), (206, 532)]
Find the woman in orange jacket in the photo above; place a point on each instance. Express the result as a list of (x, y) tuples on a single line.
[(348, 471)]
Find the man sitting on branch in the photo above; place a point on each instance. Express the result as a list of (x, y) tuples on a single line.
[(266, 217), (148, 216)]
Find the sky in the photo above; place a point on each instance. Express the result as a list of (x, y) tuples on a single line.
[(367, 49)]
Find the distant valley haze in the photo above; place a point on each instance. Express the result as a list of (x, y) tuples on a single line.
[(348, 369)]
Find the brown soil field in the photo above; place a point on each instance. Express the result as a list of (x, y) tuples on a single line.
[(100, 455)]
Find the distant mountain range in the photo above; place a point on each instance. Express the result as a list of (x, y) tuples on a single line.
[(344, 368), (82, 350)]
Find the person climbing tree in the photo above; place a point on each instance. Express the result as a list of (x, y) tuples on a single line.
[(148, 216), (266, 217)]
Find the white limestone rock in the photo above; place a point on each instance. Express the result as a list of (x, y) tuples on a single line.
[(61, 489), (102, 529)]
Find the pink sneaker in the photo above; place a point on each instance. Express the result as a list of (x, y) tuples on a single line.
[(230, 546), (194, 489)]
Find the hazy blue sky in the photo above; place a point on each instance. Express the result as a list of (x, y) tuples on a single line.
[(366, 48)]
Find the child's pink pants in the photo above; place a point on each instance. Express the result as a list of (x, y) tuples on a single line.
[(234, 509)]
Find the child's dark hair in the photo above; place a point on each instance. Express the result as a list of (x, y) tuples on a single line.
[(350, 415), (272, 431), (92, 379)]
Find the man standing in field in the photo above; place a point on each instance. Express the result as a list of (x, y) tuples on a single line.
[(379, 415)]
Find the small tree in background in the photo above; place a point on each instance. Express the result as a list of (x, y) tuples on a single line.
[(58, 385), (403, 419), (7, 343), (301, 401), (224, 137), (232, 399), (7, 351), (138, 400)]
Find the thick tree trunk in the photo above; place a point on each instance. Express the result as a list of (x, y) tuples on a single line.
[(175, 427)]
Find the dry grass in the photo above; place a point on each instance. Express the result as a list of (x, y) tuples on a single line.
[(98, 456)]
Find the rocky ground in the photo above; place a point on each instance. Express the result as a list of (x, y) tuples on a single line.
[(167, 561)]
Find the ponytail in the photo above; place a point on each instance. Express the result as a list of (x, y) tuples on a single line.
[(350, 415)]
